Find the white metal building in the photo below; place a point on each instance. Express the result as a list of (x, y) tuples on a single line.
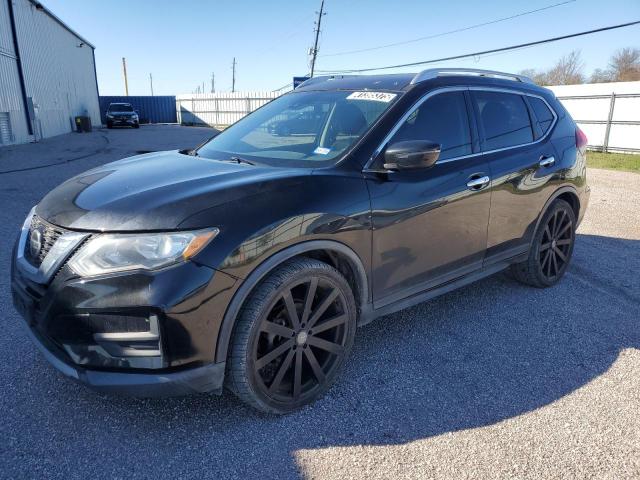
[(47, 74)]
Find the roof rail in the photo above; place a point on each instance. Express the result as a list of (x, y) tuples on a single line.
[(324, 78), (440, 72)]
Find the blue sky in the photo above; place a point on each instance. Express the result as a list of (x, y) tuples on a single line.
[(182, 43)]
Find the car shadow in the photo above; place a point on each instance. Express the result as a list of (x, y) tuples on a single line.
[(474, 357)]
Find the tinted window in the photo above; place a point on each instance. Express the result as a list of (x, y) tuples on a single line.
[(505, 119), (543, 114), (441, 119), (301, 127)]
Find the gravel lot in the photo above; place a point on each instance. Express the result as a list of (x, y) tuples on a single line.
[(496, 380)]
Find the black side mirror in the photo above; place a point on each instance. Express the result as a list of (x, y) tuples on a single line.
[(411, 154)]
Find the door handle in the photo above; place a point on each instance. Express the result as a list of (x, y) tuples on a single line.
[(478, 183), (547, 161)]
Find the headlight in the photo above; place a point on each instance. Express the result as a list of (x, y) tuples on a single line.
[(110, 253), (135, 117), (109, 115)]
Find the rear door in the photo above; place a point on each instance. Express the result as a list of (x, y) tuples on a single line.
[(430, 225), (522, 163)]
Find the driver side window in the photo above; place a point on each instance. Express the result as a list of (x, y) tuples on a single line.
[(441, 119)]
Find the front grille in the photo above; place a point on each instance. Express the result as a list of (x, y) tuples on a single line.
[(36, 251)]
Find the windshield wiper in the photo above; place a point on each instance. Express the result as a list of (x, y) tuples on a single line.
[(240, 160), (188, 151)]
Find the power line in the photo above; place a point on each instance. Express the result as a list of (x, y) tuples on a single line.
[(286, 85), (485, 52), (281, 41), (442, 34)]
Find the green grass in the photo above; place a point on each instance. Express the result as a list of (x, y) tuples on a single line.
[(614, 161)]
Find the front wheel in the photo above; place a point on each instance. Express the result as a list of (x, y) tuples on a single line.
[(551, 248), (292, 337)]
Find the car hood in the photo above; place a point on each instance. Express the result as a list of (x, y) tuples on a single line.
[(157, 191), (122, 113)]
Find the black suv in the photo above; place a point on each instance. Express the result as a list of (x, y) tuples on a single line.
[(250, 261), (122, 114)]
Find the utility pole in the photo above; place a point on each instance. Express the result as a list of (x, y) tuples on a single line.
[(124, 70), (233, 78), (213, 83), (151, 82), (314, 50)]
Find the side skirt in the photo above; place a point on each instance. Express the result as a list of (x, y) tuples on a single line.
[(371, 314)]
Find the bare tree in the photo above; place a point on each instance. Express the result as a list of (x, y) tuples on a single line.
[(601, 76), (538, 77), (567, 71), (625, 65)]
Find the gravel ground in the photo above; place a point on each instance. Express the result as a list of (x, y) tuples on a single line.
[(495, 380)]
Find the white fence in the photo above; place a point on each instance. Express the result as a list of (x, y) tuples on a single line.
[(219, 109), (608, 113)]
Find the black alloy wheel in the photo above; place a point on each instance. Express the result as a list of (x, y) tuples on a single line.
[(551, 248), (293, 336), (555, 245)]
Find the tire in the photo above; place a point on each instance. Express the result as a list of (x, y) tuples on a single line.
[(277, 363), (137, 125), (551, 248), (109, 125)]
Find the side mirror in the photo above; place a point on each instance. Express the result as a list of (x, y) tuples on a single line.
[(411, 154)]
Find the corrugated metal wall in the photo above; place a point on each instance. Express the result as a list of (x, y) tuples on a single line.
[(58, 69), (10, 95), (219, 109), (156, 109)]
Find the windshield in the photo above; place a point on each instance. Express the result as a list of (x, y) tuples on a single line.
[(120, 107), (300, 127)]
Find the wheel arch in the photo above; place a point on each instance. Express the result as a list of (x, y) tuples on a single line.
[(337, 254), (566, 193)]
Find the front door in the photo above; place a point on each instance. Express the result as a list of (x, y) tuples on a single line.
[(430, 225)]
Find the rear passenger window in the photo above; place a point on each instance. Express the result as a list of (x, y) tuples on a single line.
[(543, 114), (441, 119), (504, 118)]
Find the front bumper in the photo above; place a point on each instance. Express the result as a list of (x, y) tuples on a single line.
[(204, 379), (90, 328), (122, 121)]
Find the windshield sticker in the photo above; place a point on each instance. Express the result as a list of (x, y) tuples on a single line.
[(375, 96), (322, 150)]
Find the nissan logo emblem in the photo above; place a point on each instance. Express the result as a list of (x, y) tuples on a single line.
[(35, 242)]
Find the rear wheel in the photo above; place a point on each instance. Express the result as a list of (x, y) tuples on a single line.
[(292, 337), (551, 248)]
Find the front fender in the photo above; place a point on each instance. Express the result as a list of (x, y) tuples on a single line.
[(268, 264), (329, 212)]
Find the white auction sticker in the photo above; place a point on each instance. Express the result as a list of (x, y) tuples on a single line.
[(321, 151), (375, 96)]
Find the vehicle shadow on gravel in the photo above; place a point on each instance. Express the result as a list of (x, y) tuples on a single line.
[(488, 352)]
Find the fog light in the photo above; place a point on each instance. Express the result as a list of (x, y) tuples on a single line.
[(123, 336)]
